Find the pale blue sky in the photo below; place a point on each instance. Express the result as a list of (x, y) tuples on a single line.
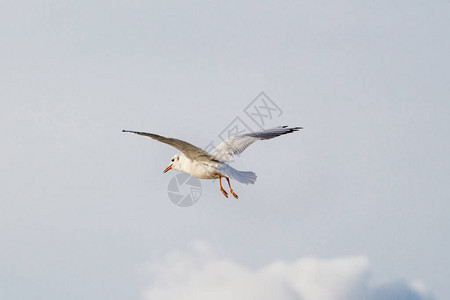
[(84, 207)]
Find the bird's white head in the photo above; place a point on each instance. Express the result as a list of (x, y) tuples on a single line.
[(174, 163)]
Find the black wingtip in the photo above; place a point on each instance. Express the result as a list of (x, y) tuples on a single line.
[(292, 128)]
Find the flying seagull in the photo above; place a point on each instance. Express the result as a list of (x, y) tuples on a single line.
[(204, 165)]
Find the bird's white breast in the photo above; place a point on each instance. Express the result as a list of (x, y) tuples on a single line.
[(201, 170)]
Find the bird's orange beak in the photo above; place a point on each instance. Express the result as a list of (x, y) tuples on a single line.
[(167, 169)]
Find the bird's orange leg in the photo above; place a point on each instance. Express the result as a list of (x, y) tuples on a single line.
[(231, 190), (221, 188)]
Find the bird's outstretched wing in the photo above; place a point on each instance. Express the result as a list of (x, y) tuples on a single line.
[(190, 151), (237, 144)]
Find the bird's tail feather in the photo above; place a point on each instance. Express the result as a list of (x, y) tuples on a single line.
[(245, 177)]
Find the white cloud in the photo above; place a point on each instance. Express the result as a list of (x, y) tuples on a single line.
[(201, 274)]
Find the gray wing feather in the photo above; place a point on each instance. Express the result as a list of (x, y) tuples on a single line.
[(190, 151), (237, 144)]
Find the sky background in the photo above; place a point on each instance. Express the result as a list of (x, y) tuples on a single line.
[(354, 206)]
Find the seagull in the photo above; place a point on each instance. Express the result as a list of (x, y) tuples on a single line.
[(204, 165)]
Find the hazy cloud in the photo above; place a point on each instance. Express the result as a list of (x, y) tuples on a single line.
[(201, 273)]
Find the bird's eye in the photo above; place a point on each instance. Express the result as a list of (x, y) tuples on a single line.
[(172, 160), (178, 158)]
